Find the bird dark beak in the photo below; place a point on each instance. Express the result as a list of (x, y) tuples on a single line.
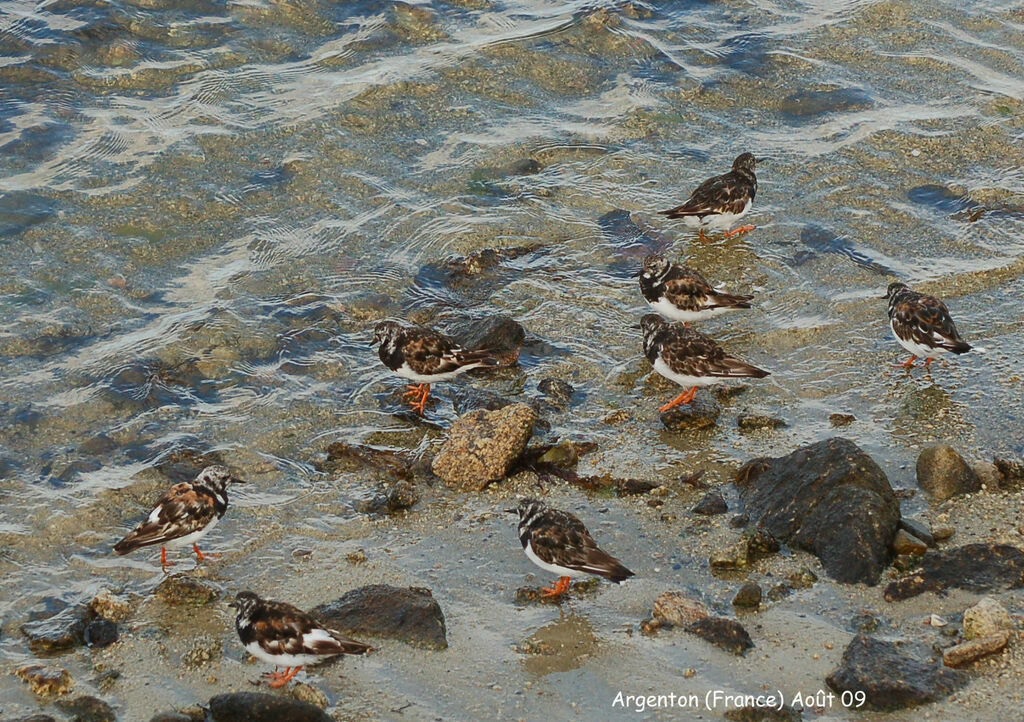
[(233, 605), (637, 326), (511, 511), (637, 274)]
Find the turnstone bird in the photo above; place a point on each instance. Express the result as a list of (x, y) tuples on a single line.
[(183, 515), (681, 294), (281, 634), (557, 542), (922, 325), (689, 358), (425, 356), (721, 201)]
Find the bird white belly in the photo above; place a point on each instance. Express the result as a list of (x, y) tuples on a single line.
[(190, 539), (723, 221), (666, 309), (285, 660), (917, 349), (407, 373), (553, 568), (687, 381)]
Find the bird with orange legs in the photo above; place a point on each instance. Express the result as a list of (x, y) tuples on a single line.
[(922, 325), (721, 201)]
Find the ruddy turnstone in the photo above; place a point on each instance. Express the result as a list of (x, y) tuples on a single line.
[(922, 325), (425, 356), (284, 635), (689, 358), (681, 294), (557, 542), (721, 201), (183, 515)]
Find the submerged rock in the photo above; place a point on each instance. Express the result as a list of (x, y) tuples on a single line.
[(88, 709), (502, 335), (100, 633), (748, 421), (890, 679), (942, 473), (184, 590), (763, 714), (829, 498), (410, 615), (711, 504), (108, 605), (482, 446), (262, 707), (677, 609), (46, 681), (838, 420), (748, 596), (556, 392), (806, 103), (701, 413), (974, 567), (727, 634), (905, 543), (60, 632)]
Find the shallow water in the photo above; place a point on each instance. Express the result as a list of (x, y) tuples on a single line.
[(205, 205)]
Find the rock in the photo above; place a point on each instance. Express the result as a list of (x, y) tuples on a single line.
[(46, 681), (865, 621), (562, 454), (934, 620), (401, 495), (675, 609), (966, 652), (62, 631), (88, 709), (170, 717), (986, 618), (749, 596), (701, 413), (904, 543), (343, 456), (829, 498), (739, 521), (763, 714), (1011, 472), (942, 532), (918, 530), (890, 679), (839, 420), (803, 578), (502, 335), (556, 392), (760, 542), (523, 166), (727, 634), (261, 707), (779, 591), (711, 504), (942, 473), (36, 718), (100, 633), (482, 445), (184, 590), (108, 605), (736, 556), (410, 615), (747, 422), (467, 398), (308, 693), (806, 103), (974, 567), (202, 651)]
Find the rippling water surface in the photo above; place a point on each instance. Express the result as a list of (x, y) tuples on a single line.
[(204, 206)]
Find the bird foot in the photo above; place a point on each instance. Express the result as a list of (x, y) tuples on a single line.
[(737, 231), (200, 557), (560, 588), (908, 364), (680, 400), (276, 680)]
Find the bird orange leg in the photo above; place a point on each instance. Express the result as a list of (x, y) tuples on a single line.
[(163, 559), (200, 557), (413, 391), (741, 229), (701, 235), (928, 362), (908, 364), (276, 680), (420, 405), (683, 398), (559, 589)]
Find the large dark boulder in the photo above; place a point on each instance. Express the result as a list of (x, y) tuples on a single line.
[(889, 678), (262, 707), (974, 567), (829, 498), (410, 615)]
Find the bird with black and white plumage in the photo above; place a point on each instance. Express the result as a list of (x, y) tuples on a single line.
[(922, 325), (285, 636), (682, 294), (558, 542), (721, 201), (183, 515), (424, 356), (689, 358)]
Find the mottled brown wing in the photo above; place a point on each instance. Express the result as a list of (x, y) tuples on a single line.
[(693, 354), (688, 291), (179, 512), (430, 353), (925, 320), (560, 538), (726, 193), (283, 628)]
